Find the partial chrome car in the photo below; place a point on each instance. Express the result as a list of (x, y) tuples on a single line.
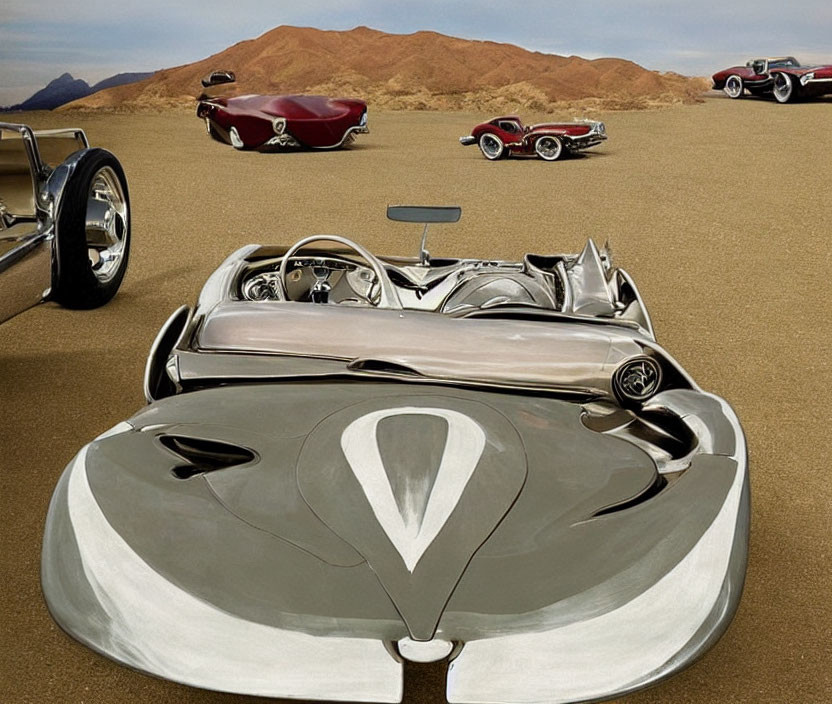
[(349, 461), (64, 220)]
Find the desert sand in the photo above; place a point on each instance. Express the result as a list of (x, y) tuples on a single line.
[(720, 212)]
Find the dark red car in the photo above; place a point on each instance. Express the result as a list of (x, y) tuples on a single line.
[(507, 136), (269, 122), (784, 78)]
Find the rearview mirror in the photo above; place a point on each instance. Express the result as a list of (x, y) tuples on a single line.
[(424, 214)]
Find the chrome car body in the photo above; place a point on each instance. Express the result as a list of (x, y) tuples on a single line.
[(39, 179), (348, 461)]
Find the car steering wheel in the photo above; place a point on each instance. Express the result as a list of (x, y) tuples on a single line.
[(387, 296)]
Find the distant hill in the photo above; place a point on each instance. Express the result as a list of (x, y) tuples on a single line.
[(424, 70), (120, 79), (65, 89)]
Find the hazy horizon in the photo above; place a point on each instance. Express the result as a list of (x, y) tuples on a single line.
[(93, 39)]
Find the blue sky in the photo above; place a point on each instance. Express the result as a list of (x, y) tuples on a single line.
[(93, 39)]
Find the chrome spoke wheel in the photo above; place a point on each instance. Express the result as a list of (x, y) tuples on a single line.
[(549, 148), (491, 146), (783, 87), (733, 87), (106, 224)]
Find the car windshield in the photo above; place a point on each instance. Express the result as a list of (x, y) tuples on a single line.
[(784, 63)]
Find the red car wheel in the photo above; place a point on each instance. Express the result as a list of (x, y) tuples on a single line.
[(491, 146), (733, 87), (784, 91), (549, 148)]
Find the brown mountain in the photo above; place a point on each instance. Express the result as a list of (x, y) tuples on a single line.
[(424, 70)]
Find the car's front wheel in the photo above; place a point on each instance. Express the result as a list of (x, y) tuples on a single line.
[(784, 90), (93, 234), (549, 148), (491, 146), (733, 87), (236, 140)]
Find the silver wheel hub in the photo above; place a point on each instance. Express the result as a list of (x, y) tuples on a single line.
[(490, 145), (733, 86), (234, 136), (106, 224), (782, 86), (548, 147)]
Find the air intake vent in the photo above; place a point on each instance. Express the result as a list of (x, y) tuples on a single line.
[(204, 455)]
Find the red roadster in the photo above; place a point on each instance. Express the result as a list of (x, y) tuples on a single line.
[(269, 122), (507, 136), (784, 78)]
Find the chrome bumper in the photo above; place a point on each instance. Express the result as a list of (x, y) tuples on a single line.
[(586, 141), (468, 140)]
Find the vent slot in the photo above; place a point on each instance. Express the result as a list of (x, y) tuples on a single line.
[(381, 366), (204, 455)]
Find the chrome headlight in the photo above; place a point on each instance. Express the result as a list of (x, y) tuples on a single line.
[(637, 379), (806, 77), (363, 121), (279, 125), (600, 128)]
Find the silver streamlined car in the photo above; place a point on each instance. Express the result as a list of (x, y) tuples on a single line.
[(349, 461), (64, 220)]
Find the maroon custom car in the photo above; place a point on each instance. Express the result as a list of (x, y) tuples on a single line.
[(272, 122), (506, 136), (784, 78)]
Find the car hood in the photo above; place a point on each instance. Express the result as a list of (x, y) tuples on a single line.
[(294, 107), (341, 517), (571, 128)]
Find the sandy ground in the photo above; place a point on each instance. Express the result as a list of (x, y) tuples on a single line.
[(720, 212)]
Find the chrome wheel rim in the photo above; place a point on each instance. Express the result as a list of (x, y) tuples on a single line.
[(782, 87), (491, 146), (733, 87), (106, 224), (548, 148), (236, 142)]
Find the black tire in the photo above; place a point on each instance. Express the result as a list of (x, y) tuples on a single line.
[(77, 281)]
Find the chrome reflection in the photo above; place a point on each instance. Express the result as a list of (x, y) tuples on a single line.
[(106, 224), (637, 379)]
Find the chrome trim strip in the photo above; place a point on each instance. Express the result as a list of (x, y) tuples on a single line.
[(356, 129)]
